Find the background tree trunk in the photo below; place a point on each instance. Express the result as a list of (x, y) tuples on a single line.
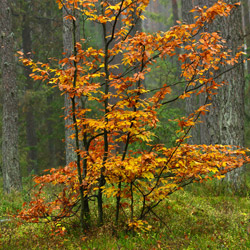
[(29, 110), (225, 121), (175, 11), (68, 48), (191, 103), (156, 12), (224, 124), (11, 168)]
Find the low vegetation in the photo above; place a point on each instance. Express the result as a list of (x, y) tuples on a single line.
[(199, 217)]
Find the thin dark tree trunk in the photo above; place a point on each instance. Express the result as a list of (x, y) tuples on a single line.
[(11, 168), (107, 29), (70, 37)]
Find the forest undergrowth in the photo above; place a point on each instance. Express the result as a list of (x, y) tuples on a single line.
[(200, 217)]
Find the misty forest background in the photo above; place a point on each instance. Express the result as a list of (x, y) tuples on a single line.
[(38, 29)]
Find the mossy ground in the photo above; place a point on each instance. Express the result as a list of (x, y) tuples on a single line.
[(199, 217)]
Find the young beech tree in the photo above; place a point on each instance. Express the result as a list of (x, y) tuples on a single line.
[(118, 160)]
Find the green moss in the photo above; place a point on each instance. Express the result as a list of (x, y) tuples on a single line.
[(196, 218)]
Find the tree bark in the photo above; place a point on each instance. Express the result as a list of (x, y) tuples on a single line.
[(68, 48), (225, 121), (175, 11), (11, 168), (224, 124)]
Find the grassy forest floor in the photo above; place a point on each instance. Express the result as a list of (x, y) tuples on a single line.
[(199, 217)]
